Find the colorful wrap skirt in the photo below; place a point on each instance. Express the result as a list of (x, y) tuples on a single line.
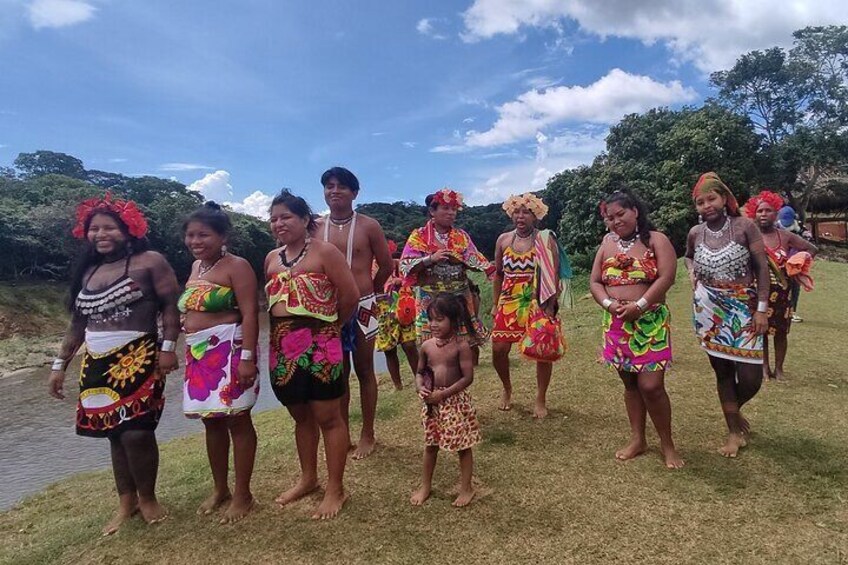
[(514, 305), (211, 388), (452, 424), (305, 360), (120, 389), (779, 309), (391, 332), (724, 322), (425, 294), (643, 345)]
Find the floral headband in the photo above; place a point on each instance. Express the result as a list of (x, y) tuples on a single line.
[(767, 196), (527, 200), (127, 211), (448, 197)]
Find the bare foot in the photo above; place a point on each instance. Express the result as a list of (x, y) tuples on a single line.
[(744, 425), (121, 516), (767, 374), (734, 443), (420, 496), (506, 400), (540, 411), (298, 491), (633, 449), (672, 458), (364, 449), (780, 376), (330, 506), (464, 498), (238, 509), (213, 503), (152, 511)]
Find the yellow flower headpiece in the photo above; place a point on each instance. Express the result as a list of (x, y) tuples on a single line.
[(527, 200)]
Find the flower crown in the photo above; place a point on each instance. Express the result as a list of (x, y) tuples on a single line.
[(527, 200), (448, 197), (127, 211), (767, 196)]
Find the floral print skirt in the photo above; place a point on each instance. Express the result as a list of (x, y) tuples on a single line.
[(642, 345), (305, 360), (724, 318), (120, 389), (516, 300), (452, 424), (211, 388)]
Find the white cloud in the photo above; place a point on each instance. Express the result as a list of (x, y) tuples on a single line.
[(425, 27), (410, 144), (256, 204), (117, 160), (709, 33), (605, 101), (214, 186), (182, 167), (59, 13)]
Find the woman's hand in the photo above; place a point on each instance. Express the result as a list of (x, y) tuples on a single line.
[(434, 397), (166, 362), (440, 256), (693, 280), (629, 312), (246, 373), (760, 323), (56, 384)]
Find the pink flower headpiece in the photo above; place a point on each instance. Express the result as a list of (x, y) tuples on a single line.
[(127, 211), (448, 197), (527, 200)]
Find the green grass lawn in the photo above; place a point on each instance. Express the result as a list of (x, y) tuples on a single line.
[(549, 491)]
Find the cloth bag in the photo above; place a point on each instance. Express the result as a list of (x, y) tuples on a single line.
[(543, 340)]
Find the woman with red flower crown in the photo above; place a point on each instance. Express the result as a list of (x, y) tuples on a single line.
[(119, 289), (310, 289), (633, 270), (436, 259)]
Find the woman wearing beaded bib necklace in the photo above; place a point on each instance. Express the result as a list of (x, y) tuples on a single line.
[(311, 290), (221, 325), (633, 270), (726, 258), (119, 290)]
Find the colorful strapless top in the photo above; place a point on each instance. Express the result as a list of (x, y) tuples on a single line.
[(519, 264), (306, 294), (204, 296), (623, 270)]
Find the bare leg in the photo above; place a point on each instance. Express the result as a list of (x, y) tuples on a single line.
[(543, 380), (306, 437), (345, 401), (411, 355), (767, 374), (143, 458), (781, 344), (635, 407), (431, 452), (466, 471), (244, 454), (500, 359), (725, 371), (748, 381), (475, 353), (363, 363), (328, 415), (393, 365), (127, 496), (655, 398), (218, 451)]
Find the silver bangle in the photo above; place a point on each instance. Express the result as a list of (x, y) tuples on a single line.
[(606, 302), (246, 355), (641, 304), (58, 364), (762, 306), (168, 346)]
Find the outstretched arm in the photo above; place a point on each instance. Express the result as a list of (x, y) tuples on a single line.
[(74, 338)]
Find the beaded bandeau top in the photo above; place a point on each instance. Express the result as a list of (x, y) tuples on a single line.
[(113, 302), (727, 262)]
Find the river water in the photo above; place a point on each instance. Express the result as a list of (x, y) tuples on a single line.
[(38, 445)]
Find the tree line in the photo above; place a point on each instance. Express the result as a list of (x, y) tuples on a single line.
[(779, 119)]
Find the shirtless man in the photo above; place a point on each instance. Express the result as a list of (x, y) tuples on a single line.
[(361, 240)]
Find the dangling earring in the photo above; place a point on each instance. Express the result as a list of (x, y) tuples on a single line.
[(223, 250), (700, 219)]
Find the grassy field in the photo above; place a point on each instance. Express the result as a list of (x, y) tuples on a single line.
[(549, 491), (32, 321)]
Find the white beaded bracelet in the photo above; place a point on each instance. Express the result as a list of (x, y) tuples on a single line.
[(641, 304), (606, 302), (168, 346), (58, 364), (246, 355), (762, 306)]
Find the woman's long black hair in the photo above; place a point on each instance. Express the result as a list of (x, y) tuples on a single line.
[(296, 206), (626, 199), (455, 309), (89, 257)]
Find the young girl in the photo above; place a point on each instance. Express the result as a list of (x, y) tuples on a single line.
[(445, 370)]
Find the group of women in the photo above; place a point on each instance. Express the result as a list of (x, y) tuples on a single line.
[(126, 310)]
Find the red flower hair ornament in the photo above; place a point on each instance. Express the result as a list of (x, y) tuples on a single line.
[(127, 211), (448, 197), (767, 196)]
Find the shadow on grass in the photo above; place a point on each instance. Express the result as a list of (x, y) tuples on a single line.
[(814, 464)]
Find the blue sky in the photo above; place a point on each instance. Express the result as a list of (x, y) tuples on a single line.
[(242, 98)]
